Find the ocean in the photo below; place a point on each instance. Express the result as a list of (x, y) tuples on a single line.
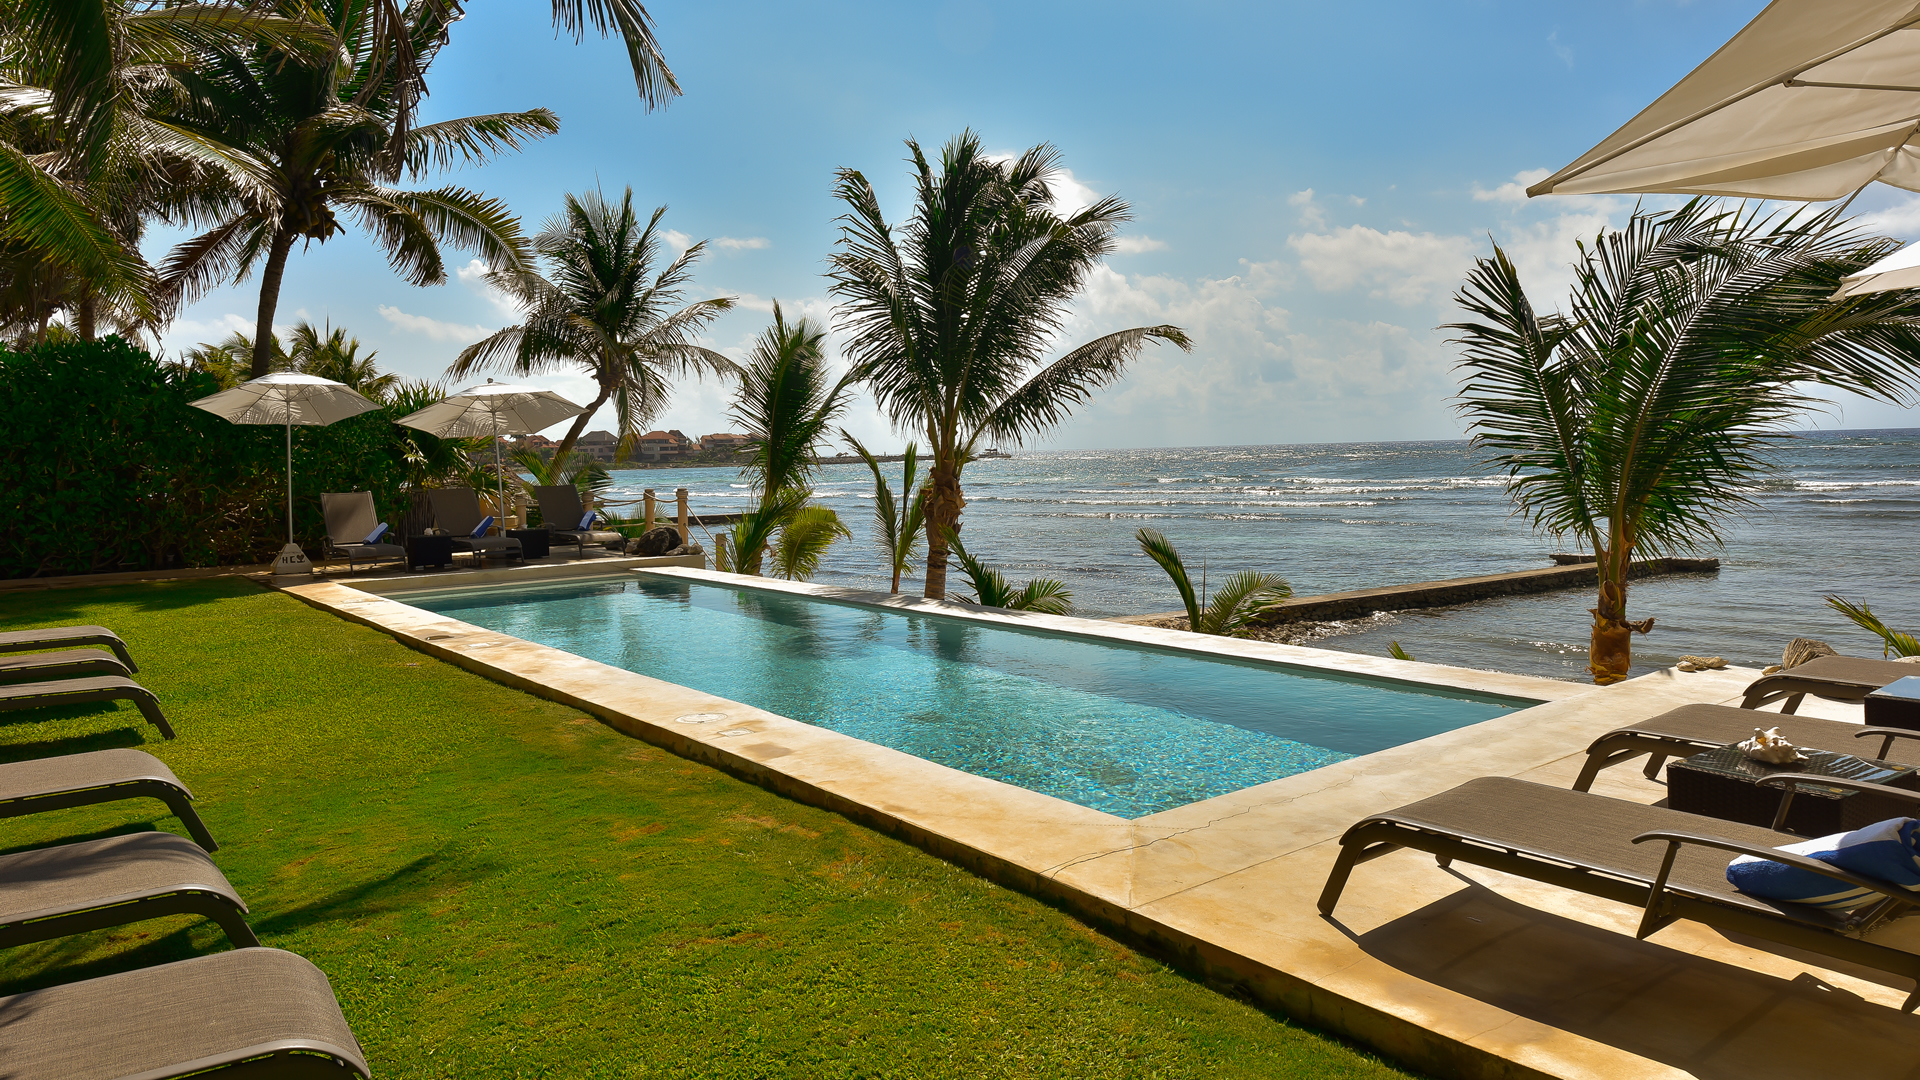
[(1336, 516)]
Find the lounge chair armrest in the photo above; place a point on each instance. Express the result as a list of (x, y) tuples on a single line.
[(1799, 862), (1793, 781), (1888, 734)]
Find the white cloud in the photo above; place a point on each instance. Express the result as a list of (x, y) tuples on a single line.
[(1404, 267), (433, 328), (736, 243), (676, 240), (1311, 214), (1134, 245), (1901, 219), (1564, 52), (474, 277), (1513, 191)]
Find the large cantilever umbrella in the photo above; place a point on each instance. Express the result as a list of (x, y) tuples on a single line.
[(493, 409), (289, 398), (1812, 100)]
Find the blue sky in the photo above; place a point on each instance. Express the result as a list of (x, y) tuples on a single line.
[(1309, 181)]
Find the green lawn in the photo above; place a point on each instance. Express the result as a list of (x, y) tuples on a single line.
[(500, 886)]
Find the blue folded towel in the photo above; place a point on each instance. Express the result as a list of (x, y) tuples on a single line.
[(379, 531), (1886, 851), (480, 530), (587, 521)]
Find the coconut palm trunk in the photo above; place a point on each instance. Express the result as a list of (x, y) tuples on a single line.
[(271, 275)]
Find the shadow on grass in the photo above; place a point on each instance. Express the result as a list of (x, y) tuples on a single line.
[(81, 838), (51, 963), (408, 886), (70, 605), (116, 739)]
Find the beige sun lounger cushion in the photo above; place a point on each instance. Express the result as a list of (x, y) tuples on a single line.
[(175, 1019), (52, 892), (54, 637), (57, 783), (1836, 678)]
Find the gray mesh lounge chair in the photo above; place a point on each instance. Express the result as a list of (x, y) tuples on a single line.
[(56, 783), (54, 637), (175, 1019), (51, 892), (65, 664), (1836, 678), (457, 511), (560, 509), (350, 520), (74, 691), (1690, 729), (1669, 864)]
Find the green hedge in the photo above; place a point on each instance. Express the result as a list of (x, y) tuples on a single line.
[(107, 467)]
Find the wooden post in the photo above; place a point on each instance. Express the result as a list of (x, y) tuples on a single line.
[(649, 525), (680, 497)]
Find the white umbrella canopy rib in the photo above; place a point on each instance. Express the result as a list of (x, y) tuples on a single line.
[(1812, 100), (287, 398), (491, 410)]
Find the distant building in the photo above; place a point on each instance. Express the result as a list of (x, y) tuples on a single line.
[(724, 442), (663, 445), (599, 445)]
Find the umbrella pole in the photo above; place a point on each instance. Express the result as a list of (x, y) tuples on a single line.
[(289, 479), (499, 478)]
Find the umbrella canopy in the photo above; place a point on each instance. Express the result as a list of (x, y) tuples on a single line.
[(1812, 100), (493, 409), (287, 398), (1900, 270)]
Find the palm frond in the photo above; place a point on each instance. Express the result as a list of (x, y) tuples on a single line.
[(1241, 599), (805, 536), (473, 140), (1893, 641), (1161, 550)]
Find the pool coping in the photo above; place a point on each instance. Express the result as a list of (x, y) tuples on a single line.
[(1224, 888)]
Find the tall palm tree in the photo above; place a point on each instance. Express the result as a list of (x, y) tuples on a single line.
[(320, 127), (787, 402), (602, 308), (950, 319), (1637, 420), (88, 150), (899, 523)]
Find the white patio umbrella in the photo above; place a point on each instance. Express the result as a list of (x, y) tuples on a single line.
[(1812, 100), (494, 409), (289, 398)]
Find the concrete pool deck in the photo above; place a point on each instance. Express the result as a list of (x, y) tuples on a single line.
[(1456, 972)]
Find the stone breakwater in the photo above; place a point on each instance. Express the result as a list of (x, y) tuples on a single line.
[(1360, 603)]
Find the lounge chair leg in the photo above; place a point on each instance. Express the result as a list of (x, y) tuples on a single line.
[(150, 708), (1337, 880), (1913, 998), (188, 817), (1792, 704), (1652, 771)]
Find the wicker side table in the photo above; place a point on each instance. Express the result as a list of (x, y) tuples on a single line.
[(1724, 784), (434, 551)]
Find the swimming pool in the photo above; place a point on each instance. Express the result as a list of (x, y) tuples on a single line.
[(1126, 730)]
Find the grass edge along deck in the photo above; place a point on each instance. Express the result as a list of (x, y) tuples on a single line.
[(1155, 881)]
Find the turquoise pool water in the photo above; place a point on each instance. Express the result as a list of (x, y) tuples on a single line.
[(1131, 731)]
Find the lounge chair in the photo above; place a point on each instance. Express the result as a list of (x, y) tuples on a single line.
[(65, 664), (350, 521), (1690, 729), (54, 637), (270, 1009), (456, 511), (57, 783), (1671, 865), (52, 892), (1836, 678), (74, 691), (561, 510)]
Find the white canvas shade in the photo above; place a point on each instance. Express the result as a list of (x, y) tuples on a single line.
[(1812, 100), (493, 409), (287, 398)]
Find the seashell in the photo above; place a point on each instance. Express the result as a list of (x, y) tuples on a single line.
[(1771, 747)]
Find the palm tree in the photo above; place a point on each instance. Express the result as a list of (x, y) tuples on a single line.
[(991, 588), (949, 321), (87, 150), (319, 127), (331, 354), (898, 525), (1637, 420), (786, 404), (1242, 598), (602, 308)]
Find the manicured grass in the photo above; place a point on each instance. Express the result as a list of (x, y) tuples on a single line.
[(500, 886)]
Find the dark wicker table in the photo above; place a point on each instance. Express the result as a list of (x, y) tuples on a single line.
[(1724, 784), (1896, 704), (429, 551), (534, 543)]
